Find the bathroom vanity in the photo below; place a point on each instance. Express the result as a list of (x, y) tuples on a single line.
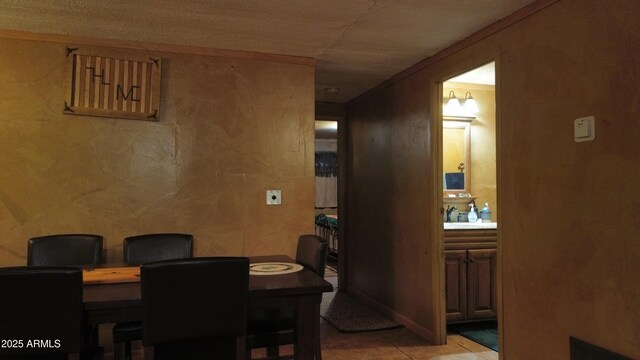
[(470, 271), (470, 248)]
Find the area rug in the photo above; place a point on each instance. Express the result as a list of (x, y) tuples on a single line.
[(347, 314), (484, 333)]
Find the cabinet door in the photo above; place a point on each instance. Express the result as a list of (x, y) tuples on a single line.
[(456, 284), (481, 278)]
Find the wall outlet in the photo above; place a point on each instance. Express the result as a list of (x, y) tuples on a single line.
[(274, 197)]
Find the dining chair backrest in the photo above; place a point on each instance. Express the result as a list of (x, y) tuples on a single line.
[(65, 250), (312, 253), (42, 304), (193, 299), (140, 249)]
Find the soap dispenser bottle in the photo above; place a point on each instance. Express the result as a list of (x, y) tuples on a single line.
[(485, 214), (473, 216)]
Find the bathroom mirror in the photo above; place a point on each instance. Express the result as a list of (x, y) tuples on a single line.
[(456, 164)]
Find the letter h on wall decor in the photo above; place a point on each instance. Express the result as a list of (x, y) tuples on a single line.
[(112, 83)]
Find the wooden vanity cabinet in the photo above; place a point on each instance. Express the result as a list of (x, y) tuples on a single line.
[(470, 275)]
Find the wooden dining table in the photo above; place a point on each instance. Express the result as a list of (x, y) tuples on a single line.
[(114, 296)]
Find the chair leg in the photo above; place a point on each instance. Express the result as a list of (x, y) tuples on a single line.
[(122, 350), (118, 350), (127, 350), (241, 348)]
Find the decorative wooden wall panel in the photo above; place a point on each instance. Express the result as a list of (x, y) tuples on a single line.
[(112, 83)]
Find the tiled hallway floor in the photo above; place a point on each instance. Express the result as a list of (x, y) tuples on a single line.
[(392, 344), (397, 344)]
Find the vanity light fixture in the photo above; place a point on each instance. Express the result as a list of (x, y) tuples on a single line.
[(470, 104), (453, 105), (466, 109)]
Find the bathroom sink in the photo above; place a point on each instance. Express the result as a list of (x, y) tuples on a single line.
[(466, 225)]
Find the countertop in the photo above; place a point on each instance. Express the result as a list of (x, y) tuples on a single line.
[(470, 226)]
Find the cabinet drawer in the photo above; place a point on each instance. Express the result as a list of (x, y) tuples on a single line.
[(470, 239)]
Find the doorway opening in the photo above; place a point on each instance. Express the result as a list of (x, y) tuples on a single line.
[(470, 204), (326, 192)]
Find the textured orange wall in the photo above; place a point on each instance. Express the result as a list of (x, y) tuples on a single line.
[(568, 211), (453, 150), (229, 130)]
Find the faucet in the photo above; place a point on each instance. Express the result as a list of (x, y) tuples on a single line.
[(449, 211)]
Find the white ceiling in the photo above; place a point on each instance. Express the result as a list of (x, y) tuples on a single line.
[(358, 43), (485, 75)]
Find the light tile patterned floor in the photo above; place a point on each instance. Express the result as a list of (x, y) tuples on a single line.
[(397, 344)]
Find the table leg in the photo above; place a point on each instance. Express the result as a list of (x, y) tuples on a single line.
[(305, 328), (316, 329)]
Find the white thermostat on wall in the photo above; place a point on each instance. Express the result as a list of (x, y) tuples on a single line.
[(584, 129)]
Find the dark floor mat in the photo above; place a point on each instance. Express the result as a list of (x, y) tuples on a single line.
[(484, 333), (348, 314)]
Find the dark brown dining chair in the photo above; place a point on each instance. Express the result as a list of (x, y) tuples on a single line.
[(195, 308), (271, 328), (138, 250), (41, 312), (68, 250), (312, 253), (64, 250)]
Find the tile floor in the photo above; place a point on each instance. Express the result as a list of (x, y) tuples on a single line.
[(392, 344), (397, 344)]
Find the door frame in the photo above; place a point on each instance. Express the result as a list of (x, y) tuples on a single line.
[(437, 233)]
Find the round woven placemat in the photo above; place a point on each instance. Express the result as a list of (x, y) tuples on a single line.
[(273, 268)]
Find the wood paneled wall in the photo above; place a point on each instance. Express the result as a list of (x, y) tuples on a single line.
[(230, 128), (389, 192), (568, 226)]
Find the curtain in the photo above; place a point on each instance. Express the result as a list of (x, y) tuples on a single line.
[(326, 179)]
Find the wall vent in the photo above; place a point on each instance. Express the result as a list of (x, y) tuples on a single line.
[(581, 350)]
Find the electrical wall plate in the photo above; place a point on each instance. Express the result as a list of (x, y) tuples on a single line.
[(584, 129), (274, 197)]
